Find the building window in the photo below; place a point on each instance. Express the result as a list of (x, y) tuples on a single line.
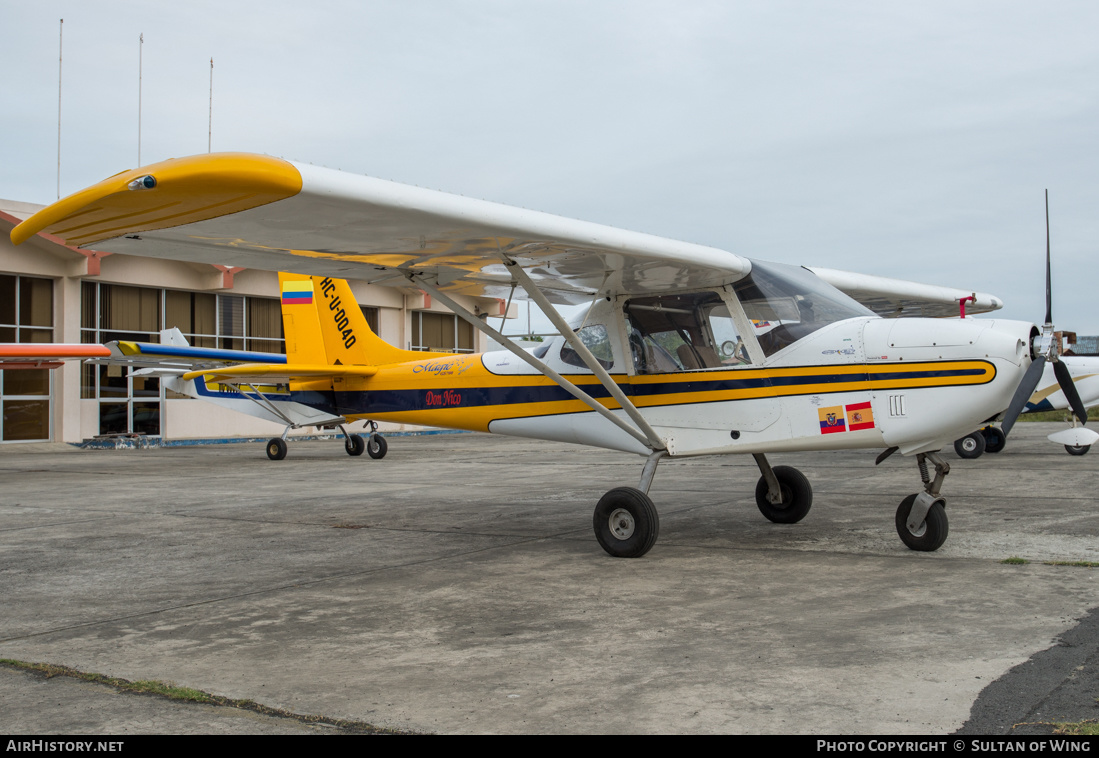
[(131, 404), (26, 315), (441, 332), (370, 313)]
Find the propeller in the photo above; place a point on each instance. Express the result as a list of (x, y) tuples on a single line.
[(1048, 350)]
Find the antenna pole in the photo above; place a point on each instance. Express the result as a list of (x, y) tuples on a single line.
[(140, 52), (210, 127), (60, 40), (1049, 288)]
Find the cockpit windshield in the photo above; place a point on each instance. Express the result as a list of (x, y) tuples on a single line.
[(786, 303)]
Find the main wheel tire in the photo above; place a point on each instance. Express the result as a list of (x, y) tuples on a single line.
[(354, 444), (376, 447), (995, 439), (276, 448), (797, 496), (1077, 449), (626, 523), (931, 535), (970, 446)]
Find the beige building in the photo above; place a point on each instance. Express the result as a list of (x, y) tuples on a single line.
[(51, 292)]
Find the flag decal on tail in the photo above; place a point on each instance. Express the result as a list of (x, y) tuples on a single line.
[(297, 292)]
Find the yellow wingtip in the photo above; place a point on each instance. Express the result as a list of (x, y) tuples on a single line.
[(186, 190)]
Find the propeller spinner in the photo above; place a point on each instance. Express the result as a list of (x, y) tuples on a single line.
[(1047, 349)]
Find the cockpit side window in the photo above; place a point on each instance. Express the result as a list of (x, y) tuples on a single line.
[(596, 339), (786, 303), (682, 332)]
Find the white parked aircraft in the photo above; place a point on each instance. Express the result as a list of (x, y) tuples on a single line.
[(173, 357), (1084, 370), (684, 350)]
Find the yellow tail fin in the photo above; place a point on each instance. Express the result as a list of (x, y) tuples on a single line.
[(323, 323), (300, 322)]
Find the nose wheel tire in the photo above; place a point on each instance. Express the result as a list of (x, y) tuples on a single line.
[(797, 496), (1077, 449), (995, 439), (377, 447), (931, 534), (354, 444), (276, 448), (626, 523), (970, 446)]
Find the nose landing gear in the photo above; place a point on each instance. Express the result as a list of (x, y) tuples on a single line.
[(921, 518)]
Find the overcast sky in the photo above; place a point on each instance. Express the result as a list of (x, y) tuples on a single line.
[(912, 140)]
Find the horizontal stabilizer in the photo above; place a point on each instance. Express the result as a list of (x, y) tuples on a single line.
[(185, 355), (279, 372)]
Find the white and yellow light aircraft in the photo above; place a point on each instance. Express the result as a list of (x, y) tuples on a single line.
[(684, 350), (173, 358)]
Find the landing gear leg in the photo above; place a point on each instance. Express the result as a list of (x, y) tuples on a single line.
[(625, 520), (783, 494), (921, 518)]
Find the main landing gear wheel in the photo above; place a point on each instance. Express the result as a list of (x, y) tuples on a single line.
[(354, 444), (276, 448), (995, 439), (931, 534), (1077, 449), (797, 496), (970, 446), (376, 447), (626, 523)]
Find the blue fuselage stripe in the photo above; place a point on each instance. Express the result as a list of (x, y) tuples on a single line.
[(402, 401)]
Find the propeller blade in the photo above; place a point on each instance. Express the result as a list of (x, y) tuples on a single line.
[(1049, 290), (1064, 378), (1023, 392)]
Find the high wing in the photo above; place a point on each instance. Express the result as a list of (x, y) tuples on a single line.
[(36, 355), (267, 213), (896, 297)]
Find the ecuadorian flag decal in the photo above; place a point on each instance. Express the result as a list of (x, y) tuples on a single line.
[(832, 419), (846, 418), (298, 292)]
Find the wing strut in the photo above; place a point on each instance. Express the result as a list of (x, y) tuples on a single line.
[(581, 349), (538, 365)]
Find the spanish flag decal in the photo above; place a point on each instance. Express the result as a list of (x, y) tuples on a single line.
[(299, 292), (860, 416), (832, 420)]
